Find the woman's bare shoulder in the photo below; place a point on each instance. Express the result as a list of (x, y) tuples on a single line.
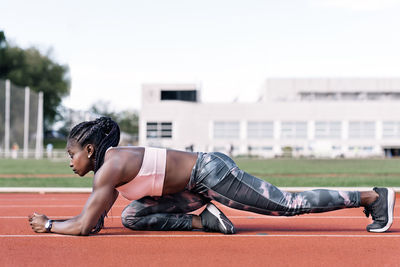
[(121, 163)]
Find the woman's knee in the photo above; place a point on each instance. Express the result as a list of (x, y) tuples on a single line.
[(131, 222), (130, 215)]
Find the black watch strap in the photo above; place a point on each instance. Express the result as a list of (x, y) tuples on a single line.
[(48, 225)]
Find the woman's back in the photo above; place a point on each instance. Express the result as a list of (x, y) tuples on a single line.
[(178, 168)]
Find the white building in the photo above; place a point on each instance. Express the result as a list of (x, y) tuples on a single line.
[(303, 117)]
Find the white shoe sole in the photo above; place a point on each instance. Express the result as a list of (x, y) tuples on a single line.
[(391, 199)]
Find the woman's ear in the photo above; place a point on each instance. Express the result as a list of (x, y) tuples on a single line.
[(90, 150)]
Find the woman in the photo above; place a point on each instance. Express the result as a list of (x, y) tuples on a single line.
[(164, 185)]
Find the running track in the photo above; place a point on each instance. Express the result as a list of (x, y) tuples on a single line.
[(330, 239)]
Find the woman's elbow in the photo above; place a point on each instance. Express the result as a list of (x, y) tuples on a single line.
[(82, 228), (85, 231)]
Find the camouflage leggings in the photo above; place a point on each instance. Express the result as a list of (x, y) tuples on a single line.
[(216, 177)]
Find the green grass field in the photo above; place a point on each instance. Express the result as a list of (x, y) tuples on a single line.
[(281, 172)]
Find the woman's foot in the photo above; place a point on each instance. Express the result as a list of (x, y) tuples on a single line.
[(381, 210), (213, 220)]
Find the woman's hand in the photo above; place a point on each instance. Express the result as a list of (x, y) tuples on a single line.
[(38, 222)]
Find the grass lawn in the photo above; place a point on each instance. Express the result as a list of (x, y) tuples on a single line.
[(280, 172), (32, 166), (46, 182)]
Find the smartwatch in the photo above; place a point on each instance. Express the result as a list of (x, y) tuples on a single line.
[(48, 225)]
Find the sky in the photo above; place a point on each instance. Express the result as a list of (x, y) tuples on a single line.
[(227, 47)]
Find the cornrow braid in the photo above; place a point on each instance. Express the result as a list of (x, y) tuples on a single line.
[(102, 133)]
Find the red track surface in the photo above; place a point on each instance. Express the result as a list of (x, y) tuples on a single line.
[(328, 239)]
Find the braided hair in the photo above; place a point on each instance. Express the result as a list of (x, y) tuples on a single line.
[(102, 133)]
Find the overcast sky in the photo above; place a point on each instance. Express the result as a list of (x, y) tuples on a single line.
[(228, 47)]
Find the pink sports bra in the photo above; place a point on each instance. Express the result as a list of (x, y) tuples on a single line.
[(150, 179)]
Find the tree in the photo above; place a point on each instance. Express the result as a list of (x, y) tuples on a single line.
[(127, 120), (3, 45), (103, 108), (2, 40), (29, 67)]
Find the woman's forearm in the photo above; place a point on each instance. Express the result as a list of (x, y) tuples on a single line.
[(71, 226)]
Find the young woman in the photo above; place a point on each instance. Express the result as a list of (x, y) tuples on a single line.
[(165, 185)]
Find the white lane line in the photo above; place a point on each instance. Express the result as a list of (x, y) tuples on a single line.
[(46, 200), (231, 217), (207, 236), (81, 206), (301, 217), (51, 206), (56, 217)]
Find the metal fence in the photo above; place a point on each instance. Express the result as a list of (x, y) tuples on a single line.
[(21, 121)]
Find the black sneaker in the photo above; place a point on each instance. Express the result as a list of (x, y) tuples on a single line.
[(213, 220), (381, 210)]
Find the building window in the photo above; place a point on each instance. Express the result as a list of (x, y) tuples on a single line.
[(394, 96), (306, 96), (225, 129), (325, 96), (260, 130), (361, 148), (182, 95), (328, 129), (294, 130), (350, 95), (159, 130), (375, 96), (391, 129), (361, 129)]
